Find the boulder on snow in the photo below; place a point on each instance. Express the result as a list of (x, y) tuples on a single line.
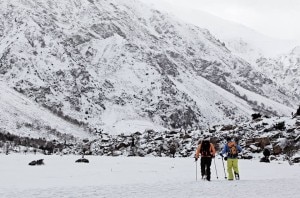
[(256, 116), (37, 162), (262, 141), (122, 145), (82, 160), (32, 163), (296, 160), (277, 149), (272, 157), (116, 153), (228, 128), (265, 159), (254, 149), (246, 157)]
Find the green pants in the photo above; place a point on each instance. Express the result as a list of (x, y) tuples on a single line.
[(232, 164)]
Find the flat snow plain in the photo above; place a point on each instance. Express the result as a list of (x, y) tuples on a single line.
[(154, 177)]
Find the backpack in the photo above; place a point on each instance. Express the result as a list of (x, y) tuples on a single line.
[(205, 149), (233, 152)]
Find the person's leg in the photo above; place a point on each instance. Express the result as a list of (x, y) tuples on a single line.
[(202, 166), (235, 168), (229, 168), (235, 165), (208, 172)]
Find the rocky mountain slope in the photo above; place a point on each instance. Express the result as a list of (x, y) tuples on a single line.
[(279, 135), (115, 66), (274, 57), (285, 69), (23, 117)]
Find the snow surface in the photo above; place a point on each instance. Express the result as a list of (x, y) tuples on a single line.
[(141, 177)]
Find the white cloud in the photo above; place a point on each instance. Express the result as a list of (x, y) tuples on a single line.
[(276, 18)]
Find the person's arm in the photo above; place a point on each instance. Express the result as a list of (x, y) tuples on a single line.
[(212, 150), (224, 150), (198, 151), (239, 148)]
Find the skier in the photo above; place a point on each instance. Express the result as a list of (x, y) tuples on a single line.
[(207, 152), (231, 149)]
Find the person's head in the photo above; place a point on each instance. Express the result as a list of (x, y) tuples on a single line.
[(228, 139), (207, 138)]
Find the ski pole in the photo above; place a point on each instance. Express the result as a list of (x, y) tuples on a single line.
[(216, 168), (196, 170), (224, 168)]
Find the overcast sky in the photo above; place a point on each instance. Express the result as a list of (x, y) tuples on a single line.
[(275, 18)]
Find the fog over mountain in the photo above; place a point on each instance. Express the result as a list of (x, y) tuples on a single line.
[(120, 66), (240, 39)]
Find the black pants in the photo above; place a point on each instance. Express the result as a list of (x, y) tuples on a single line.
[(205, 167)]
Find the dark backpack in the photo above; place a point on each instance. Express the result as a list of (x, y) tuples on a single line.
[(205, 148), (233, 151)]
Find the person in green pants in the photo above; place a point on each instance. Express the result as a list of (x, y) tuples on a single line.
[(231, 149)]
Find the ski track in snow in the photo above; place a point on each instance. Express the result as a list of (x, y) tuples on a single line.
[(148, 177)]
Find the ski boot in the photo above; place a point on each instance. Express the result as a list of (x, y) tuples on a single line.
[(237, 176)]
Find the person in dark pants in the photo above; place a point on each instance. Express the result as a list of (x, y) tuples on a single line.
[(207, 151)]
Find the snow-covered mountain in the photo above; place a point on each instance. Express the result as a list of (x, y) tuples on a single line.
[(241, 40), (285, 69), (119, 66), (273, 57)]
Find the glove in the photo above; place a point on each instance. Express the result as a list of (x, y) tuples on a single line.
[(196, 159), (221, 155), (225, 158)]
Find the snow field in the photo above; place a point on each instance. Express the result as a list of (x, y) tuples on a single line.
[(140, 177)]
